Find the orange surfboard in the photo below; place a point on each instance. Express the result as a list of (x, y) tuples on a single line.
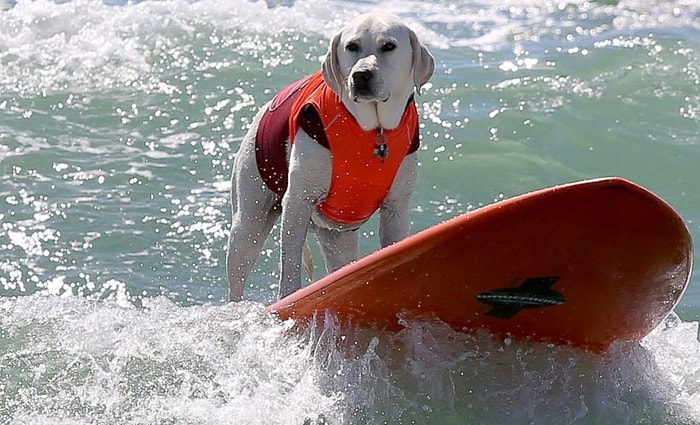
[(585, 263)]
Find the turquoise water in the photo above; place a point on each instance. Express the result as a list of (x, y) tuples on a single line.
[(118, 126)]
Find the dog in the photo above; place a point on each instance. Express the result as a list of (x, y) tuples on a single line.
[(329, 151)]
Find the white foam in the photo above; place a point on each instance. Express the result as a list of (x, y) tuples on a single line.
[(90, 44), (76, 359), (72, 359), (438, 376)]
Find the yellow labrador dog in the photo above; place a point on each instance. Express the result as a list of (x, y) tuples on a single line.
[(329, 151)]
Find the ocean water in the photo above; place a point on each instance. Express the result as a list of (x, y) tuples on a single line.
[(118, 127)]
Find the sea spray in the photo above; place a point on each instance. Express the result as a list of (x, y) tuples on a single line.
[(73, 360)]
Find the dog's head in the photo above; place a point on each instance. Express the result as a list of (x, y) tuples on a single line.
[(375, 57)]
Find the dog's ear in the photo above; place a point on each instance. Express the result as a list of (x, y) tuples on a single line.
[(423, 62), (331, 67)]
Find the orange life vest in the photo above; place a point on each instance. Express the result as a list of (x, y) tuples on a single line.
[(361, 178)]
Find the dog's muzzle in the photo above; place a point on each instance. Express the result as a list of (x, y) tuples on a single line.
[(364, 87), (362, 84)]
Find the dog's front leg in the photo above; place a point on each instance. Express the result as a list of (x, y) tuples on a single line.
[(309, 178), (296, 215), (394, 221)]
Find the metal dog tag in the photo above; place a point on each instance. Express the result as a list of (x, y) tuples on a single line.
[(381, 150)]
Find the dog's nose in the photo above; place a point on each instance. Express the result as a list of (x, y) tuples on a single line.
[(362, 83), (362, 77)]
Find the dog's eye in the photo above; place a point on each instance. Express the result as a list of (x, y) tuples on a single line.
[(388, 47), (352, 47)]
